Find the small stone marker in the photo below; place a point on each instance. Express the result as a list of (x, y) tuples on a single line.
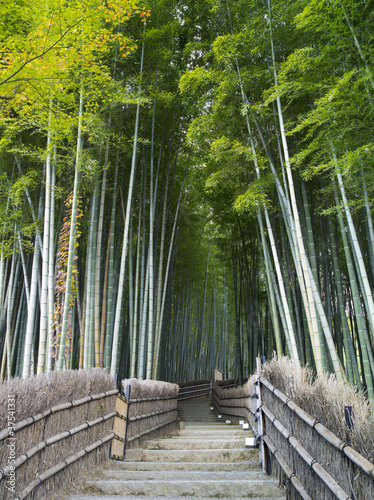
[(245, 427), (211, 408), (241, 422), (250, 442), (228, 421), (219, 416)]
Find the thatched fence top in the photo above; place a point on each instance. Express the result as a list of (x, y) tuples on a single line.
[(148, 407), (316, 462), (38, 454), (236, 402)]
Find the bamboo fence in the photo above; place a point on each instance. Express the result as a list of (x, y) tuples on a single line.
[(235, 402), (314, 462), (194, 389), (138, 417), (40, 455)]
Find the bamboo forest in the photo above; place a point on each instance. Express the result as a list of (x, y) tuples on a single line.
[(187, 185)]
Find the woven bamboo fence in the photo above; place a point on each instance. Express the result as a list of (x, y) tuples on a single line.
[(235, 402), (194, 389), (148, 407), (38, 455), (312, 461)]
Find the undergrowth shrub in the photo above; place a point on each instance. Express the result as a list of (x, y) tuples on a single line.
[(324, 398), (41, 392)]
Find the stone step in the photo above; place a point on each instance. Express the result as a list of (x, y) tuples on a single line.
[(213, 428), (203, 425), (193, 444), (196, 455), (206, 459), (183, 475), (189, 466), (138, 497), (196, 417), (223, 489), (191, 433), (212, 437)]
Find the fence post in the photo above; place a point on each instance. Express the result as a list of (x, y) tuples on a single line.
[(260, 417), (118, 446), (348, 412)]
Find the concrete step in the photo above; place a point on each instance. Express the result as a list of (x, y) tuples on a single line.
[(189, 466), (193, 444), (138, 497), (184, 475), (206, 459), (222, 488), (212, 437), (191, 433), (197, 455), (212, 430), (203, 425)]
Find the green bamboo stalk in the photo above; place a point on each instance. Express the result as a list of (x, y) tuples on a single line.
[(150, 258), (45, 264), (69, 274), (24, 268), (31, 315), (168, 266), (116, 335), (366, 290), (108, 330), (352, 368), (51, 261), (98, 253), (11, 296), (356, 304)]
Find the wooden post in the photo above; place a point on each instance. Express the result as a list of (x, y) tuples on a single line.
[(260, 417), (118, 446)]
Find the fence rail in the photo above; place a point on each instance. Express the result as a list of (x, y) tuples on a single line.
[(194, 389), (139, 417), (315, 461), (229, 400), (41, 441)]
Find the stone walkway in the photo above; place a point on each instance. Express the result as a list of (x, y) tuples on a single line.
[(206, 459)]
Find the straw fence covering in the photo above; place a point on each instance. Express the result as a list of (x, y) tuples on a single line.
[(236, 402), (316, 462), (147, 407), (52, 426)]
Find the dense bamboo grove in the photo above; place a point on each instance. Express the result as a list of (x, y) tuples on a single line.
[(185, 186)]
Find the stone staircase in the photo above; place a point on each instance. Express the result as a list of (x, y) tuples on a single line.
[(207, 458)]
